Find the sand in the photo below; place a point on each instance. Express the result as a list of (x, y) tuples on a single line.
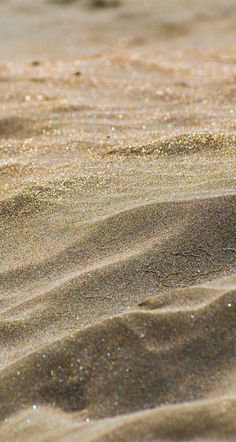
[(117, 221)]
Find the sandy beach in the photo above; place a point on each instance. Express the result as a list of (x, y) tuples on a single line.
[(117, 221)]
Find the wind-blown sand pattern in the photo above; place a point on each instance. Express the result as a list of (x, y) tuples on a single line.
[(118, 220)]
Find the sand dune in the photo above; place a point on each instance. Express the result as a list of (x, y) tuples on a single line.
[(172, 346), (117, 221), (142, 359), (151, 247), (210, 420)]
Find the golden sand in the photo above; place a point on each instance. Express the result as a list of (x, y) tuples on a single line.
[(117, 221)]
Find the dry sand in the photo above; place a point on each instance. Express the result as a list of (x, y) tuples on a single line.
[(118, 216)]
